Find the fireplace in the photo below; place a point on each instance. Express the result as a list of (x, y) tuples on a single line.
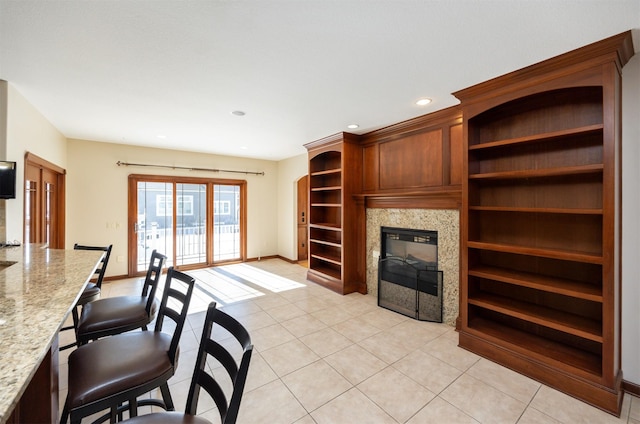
[(409, 281), (445, 222)]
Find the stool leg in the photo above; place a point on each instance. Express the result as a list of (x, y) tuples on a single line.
[(65, 414), (166, 396), (74, 327), (133, 408), (76, 320), (113, 415)]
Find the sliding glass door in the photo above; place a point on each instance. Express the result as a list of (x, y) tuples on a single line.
[(196, 222), (226, 222), (191, 224), (154, 222)]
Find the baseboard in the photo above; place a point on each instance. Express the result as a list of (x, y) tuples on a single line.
[(116, 277), (259, 258), (291, 261), (630, 387)]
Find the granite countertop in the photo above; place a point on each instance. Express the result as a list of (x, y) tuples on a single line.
[(38, 287)]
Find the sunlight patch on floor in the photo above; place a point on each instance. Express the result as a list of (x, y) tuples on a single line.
[(272, 282), (233, 283), (222, 288)]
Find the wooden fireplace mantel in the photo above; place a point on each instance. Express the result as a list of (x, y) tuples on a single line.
[(431, 199)]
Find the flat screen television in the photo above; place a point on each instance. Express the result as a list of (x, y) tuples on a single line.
[(7, 180)]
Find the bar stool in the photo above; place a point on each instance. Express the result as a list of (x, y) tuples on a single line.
[(111, 373), (228, 408), (119, 314), (92, 290)]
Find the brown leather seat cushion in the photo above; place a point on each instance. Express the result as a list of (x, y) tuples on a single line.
[(167, 418), (111, 365), (90, 293), (114, 312)]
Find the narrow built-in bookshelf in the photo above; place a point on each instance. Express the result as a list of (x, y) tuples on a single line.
[(541, 231), (336, 221)]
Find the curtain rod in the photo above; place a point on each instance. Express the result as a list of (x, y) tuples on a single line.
[(119, 163)]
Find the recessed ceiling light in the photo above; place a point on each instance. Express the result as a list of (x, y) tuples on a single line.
[(243, 147), (238, 113), (353, 126), (161, 136), (423, 101)]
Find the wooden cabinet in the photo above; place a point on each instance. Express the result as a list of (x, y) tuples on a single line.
[(415, 163), (336, 219), (540, 226)]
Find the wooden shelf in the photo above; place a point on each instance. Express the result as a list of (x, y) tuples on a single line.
[(539, 282), (331, 259), (325, 226), (581, 211), (325, 242), (330, 188), (327, 271), (326, 172), (568, 255), (540, 348), (539, 173), (536, 138), (326, 205), (547, 317)]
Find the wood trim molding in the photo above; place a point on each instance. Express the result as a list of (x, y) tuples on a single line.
[(329, 142), (261, 258), (291, 261), (42, 163), (441, 199), (630, 387), (451, 115)]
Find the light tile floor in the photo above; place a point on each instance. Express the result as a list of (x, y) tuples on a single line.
[(324, 358)]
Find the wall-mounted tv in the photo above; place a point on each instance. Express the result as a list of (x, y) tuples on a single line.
[(7, 180)]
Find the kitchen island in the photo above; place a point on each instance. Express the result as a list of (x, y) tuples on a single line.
[(38, 289)]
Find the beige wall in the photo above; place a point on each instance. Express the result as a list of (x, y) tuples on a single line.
[(97, 193), (26, 131), (290, 171), (630, 214)]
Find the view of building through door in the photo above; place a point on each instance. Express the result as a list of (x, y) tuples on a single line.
[(43, 202), (191, 224), (226, 222), (174, 216), (154, 222)]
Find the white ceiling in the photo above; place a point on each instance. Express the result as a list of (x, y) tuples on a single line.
[(128, 71)]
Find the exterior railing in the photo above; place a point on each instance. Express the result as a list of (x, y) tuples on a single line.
[(190, 243)]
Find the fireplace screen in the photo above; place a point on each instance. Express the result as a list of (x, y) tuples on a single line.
[(408, 280)]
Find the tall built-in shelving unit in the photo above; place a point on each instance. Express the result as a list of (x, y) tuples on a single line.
[(336, 219), (540, 226)]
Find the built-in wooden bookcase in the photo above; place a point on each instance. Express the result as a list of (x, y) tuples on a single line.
[(336, 219), (541, 221)]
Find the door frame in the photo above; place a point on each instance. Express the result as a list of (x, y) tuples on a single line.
[(132, 217), (302, 213), (33, 163)]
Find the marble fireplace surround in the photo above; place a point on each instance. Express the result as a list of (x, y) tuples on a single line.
[(446, 222)]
